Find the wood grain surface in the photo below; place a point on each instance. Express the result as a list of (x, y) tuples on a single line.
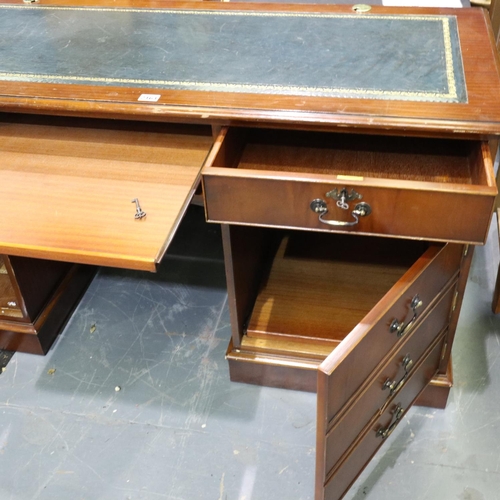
[(311, 296), (68, 190)]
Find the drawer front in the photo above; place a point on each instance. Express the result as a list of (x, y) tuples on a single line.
[(372, 437), (69, 188), (352, 362), (10, 306), (285, 203), (238, 193), (386, 383)]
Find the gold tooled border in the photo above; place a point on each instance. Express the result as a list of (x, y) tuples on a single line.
[(444, 20)]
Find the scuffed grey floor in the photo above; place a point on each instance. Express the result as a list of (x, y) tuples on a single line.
[(134, 402)]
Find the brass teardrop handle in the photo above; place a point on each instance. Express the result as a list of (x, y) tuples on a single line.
[(395, 386), (400, 327), (397, 415), (320, 207)]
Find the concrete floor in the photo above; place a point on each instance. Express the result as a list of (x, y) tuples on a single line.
[(134, 401)]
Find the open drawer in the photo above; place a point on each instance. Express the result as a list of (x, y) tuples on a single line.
[(67, 187), (435, 189)]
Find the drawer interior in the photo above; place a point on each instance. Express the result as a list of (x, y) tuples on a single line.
[(365, 156), (320, 286)]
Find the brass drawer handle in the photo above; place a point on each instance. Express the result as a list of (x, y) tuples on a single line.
[(397, 414), (395, 386), (402, 328), (360, 210)]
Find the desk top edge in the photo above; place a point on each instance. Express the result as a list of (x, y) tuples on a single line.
[(480, 117)]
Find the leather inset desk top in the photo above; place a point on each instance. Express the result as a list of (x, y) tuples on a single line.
[(412, 58)]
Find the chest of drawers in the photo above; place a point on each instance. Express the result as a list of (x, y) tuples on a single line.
[(347, 162), (366, 321)]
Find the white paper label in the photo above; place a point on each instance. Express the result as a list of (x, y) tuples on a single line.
[(149, 97)]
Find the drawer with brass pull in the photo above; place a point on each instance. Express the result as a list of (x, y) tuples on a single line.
[(9, 307), (395, 186), (337, 478), (379, 390)]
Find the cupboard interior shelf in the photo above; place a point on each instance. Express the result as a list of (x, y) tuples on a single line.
[(320, 286)]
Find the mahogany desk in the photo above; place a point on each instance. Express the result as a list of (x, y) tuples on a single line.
[(344, 151)]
